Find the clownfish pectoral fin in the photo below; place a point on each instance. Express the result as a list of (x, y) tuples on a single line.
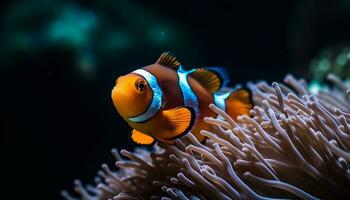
[(239, 103), (168, 60), (212, 78), (179, 121), (141, 138)]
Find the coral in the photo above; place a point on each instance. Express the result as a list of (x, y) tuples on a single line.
[(293, 146)]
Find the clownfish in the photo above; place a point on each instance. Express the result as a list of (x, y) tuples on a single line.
[(163, 101)]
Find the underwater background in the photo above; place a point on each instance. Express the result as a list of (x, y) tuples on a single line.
[(60, 59)]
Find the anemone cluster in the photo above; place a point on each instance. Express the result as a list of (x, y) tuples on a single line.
[(295, 145)]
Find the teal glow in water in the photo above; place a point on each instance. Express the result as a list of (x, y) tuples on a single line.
[(324, 64), (316, 86), (87, 64), (117, 40), (160, 34), (73, 26), (342, 59)]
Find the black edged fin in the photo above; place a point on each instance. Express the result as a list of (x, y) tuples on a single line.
[(168, 60), (208, 79), (222, 74), (180, 121), (141, 138)]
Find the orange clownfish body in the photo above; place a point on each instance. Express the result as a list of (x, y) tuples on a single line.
[(163, 101)]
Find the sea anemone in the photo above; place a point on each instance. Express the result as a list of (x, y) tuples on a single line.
[(295, 145)]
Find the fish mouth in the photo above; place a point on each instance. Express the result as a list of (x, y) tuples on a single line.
[(119, 101), (114, 95)]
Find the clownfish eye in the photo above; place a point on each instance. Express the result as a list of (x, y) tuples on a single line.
[(140, 85)]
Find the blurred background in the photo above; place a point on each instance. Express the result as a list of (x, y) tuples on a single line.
[(59, 61)]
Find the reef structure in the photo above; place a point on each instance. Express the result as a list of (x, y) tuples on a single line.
[(295, 145)]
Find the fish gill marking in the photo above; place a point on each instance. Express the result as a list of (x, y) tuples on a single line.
[(157, 98), (189, 97), (220, 100)]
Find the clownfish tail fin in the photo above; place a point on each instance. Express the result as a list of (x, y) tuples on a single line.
[(239, 103)]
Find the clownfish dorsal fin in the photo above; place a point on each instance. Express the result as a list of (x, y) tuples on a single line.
[(168, 60), (141, 138), (179, 121), (211, 78)]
